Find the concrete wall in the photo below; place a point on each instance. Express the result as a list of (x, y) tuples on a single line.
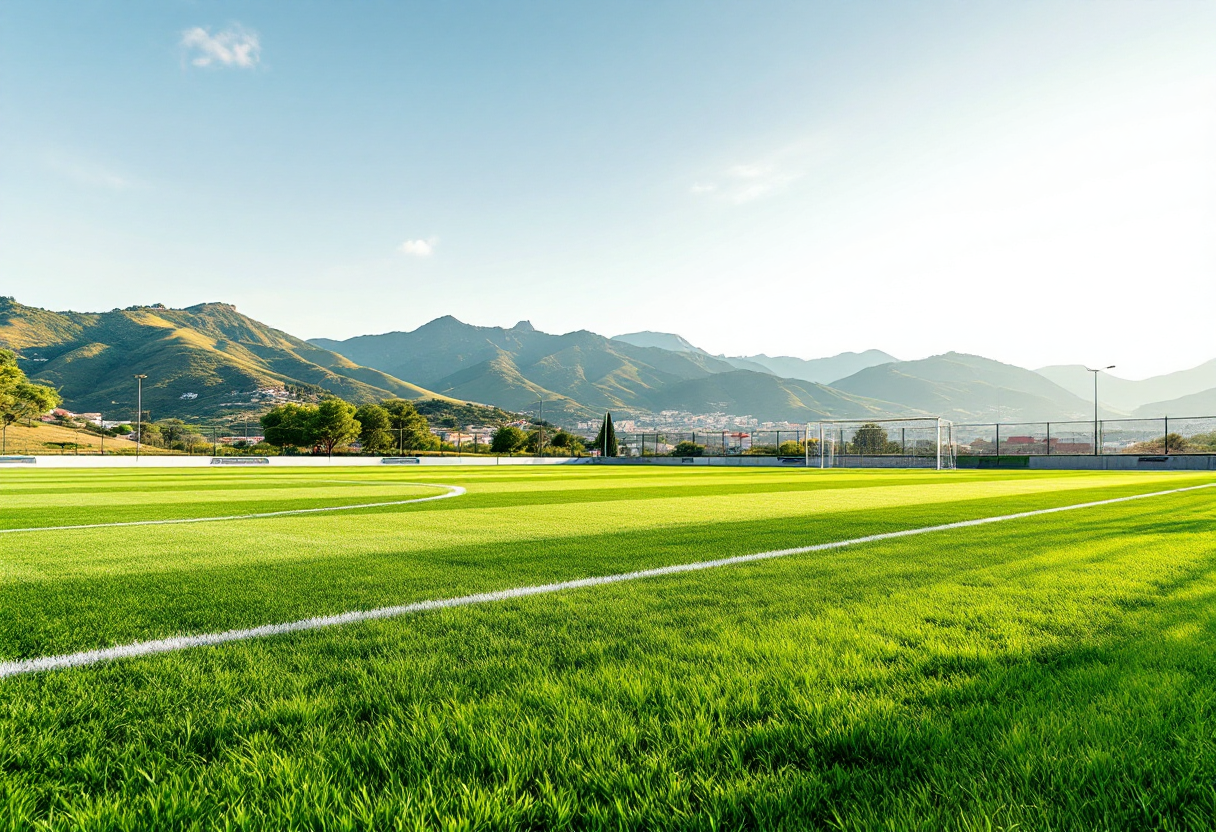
[(714, 461), (1120, 462), (170, 461), (1174, 462), (1188, 462)]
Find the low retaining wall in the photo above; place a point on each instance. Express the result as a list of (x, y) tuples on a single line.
[(1113, 462), (1179, 462), (1173, 462), (168, 461), (715, 461)]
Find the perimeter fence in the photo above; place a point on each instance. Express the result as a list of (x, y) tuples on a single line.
[(1145, 437), (1142, 437), (1164, 436)]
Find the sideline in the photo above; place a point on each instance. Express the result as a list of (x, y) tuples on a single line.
[(452, 491), (169, 645)]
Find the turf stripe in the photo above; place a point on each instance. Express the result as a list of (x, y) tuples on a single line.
[(169, 645), (452, 491)]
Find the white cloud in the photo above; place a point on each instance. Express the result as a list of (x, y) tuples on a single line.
[(234, 46), (84, 172), (744, 183), (747, 182), (418, 248)]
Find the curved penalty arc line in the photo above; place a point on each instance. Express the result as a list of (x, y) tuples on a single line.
[(451, 491)]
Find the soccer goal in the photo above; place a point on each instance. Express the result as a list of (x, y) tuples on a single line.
[(916, 442)]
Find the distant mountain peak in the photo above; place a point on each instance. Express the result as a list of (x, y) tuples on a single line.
[(661, 340), (524, 326), (213, 304)]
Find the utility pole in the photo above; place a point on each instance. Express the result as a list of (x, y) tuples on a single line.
[(139, 413), (1097, 449)]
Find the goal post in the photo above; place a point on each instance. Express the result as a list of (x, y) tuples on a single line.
[(911, 442)]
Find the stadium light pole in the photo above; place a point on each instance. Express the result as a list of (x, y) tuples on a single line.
[(139, 412), (1095, 372), (540, 443)]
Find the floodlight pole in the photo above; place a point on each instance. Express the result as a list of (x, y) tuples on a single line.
[(1095, 372), (139, 413), (821, 446)]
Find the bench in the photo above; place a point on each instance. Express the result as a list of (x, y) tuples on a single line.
[(18, 460), (401, 460), (239, 460)]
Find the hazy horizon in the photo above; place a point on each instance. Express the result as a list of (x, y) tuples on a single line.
[(1031, 183)]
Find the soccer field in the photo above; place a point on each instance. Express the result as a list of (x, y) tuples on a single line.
[(1056, 670)]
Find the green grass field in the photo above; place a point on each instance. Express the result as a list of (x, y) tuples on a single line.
[(1051, 672)]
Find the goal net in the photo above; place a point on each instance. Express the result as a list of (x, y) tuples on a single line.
[(918, 442)]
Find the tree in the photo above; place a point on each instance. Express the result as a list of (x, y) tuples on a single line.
[(33, 400), (870, 439), (687, 448), (20, 398), (288, 425), (333, 423), (192, 439), (408, 426), (566, 443), (149, 434), (374, 433), (507, 440), (1203, 442), (791, 448), (532, 441), (1175, 443), (605, 440), (173, 431)]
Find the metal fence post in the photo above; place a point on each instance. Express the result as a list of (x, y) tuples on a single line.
[(1167, 435)]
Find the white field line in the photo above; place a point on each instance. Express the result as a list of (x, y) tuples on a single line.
[(169, 645), (452, 491)]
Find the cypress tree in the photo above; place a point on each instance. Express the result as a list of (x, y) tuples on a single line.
[(608, 447)]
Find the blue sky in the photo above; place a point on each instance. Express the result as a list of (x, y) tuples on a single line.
[(1035, 182)]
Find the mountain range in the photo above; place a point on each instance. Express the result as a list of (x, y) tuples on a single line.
[(581, 374), (818, 370), (210, 359), (201, 361), (1184, 392)]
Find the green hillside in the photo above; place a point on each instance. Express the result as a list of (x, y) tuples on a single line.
[(773, 398), (967, 388), (210, 350), (581, 374), (577, 374)]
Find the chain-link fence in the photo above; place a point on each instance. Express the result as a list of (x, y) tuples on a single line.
[(776, 443), (1144, 437), (57, 439)]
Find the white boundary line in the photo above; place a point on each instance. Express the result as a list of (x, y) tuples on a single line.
[(169, 645), (452, 491)]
